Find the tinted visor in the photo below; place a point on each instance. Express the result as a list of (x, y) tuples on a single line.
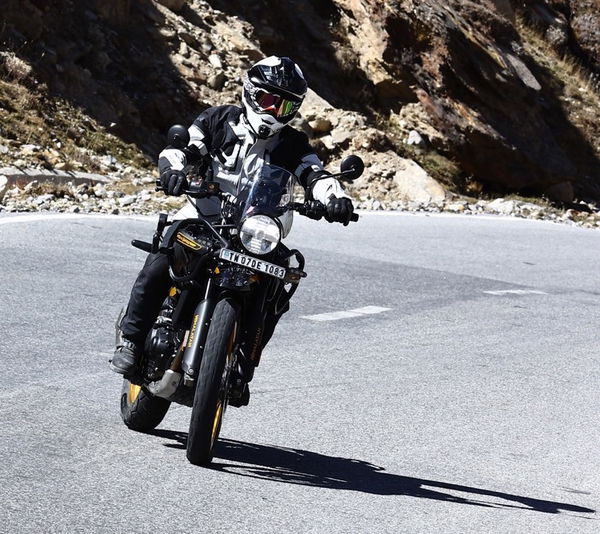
[(274, 104)]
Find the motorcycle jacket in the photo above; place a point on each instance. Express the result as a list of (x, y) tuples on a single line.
[(225, 148)]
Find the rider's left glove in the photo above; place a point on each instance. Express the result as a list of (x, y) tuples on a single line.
[(173, 182), (339, 210)]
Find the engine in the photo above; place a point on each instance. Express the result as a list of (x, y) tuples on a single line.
[(161, 343)]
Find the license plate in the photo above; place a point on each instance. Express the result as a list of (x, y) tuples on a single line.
[(252, 263)]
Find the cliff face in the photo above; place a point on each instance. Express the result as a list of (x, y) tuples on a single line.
[(496, 109), (482, 83)]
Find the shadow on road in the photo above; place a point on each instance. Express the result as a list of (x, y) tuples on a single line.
[(296, 466)]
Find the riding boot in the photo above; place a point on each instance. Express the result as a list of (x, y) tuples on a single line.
[(147, 295)]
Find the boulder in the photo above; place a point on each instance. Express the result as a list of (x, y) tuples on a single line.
[(415, 185), (501, 206), (561, 192)]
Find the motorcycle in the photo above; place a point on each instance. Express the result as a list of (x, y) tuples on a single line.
[(232, 280)]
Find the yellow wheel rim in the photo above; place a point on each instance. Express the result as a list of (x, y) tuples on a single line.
[(217, 423), (132, 394), (221, 404)]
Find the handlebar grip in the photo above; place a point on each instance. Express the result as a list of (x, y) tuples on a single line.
[(354, 217)]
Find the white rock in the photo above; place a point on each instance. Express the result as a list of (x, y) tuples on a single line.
[(108, 160), (340, 136), (42, 199), (215, 61), (414, 138), (327, 140), (321, 125), (30, 149), (504, 207), (184, 49), (414, 184), (457, 207), (127, 200), (99, 190)]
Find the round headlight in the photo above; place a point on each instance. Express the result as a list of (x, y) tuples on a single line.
[(260, 234)]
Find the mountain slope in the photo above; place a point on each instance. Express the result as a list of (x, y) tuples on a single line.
[(500, 97)]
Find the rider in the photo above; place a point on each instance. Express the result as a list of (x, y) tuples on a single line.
[(228, 142)]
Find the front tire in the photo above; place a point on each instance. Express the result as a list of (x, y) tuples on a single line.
[(210, 399), (140, 410)]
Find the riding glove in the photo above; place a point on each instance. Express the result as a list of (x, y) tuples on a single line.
[(339, 210), (173, 182)]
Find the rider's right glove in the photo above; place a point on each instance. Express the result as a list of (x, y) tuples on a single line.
[(173, 182), (339, 210)]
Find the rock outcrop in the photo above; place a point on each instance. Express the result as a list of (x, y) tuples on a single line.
[(405, 77), (463, 63)]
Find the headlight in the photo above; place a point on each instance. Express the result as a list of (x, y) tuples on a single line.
[(260, 234)]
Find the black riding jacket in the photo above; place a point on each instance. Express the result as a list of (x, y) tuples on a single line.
[(222, 140)]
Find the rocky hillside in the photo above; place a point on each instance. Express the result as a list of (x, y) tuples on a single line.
[(444, 100)]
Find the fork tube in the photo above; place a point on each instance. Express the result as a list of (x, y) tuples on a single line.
[(194, 349)]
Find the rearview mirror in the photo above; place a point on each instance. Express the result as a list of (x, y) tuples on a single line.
[(352, 167), (178, 136)]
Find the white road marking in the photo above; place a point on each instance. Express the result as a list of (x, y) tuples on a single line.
[(516, 292), (49, 216), (347, 314)]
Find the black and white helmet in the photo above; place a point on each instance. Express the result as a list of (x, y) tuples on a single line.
[(274, 89)]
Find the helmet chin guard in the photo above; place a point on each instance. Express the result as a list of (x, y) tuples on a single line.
[(273, 91), (262, 124)]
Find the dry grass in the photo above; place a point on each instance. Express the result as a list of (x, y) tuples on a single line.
[(576, 87), (29, 116), (14, 68), (65, 133)]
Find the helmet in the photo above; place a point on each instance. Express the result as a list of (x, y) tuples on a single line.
[(273, 91)]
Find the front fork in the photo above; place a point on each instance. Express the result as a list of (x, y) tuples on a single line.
[(196, 340), (253, 337)]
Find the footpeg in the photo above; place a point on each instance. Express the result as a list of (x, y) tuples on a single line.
[(239, 395)]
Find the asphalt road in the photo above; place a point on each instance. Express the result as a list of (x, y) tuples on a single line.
[(467, 401)]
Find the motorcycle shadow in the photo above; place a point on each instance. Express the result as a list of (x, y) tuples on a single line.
[(297, 466)]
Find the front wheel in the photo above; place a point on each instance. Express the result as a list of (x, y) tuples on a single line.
[(210, 399), (140, 410)]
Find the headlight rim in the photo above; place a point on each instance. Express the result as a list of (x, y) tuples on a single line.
[(273, 220)]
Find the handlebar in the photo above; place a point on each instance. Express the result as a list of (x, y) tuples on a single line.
[(313, 209), (204, 190)]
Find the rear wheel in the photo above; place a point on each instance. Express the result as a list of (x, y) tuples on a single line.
[(140, 410), (210, 399)]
